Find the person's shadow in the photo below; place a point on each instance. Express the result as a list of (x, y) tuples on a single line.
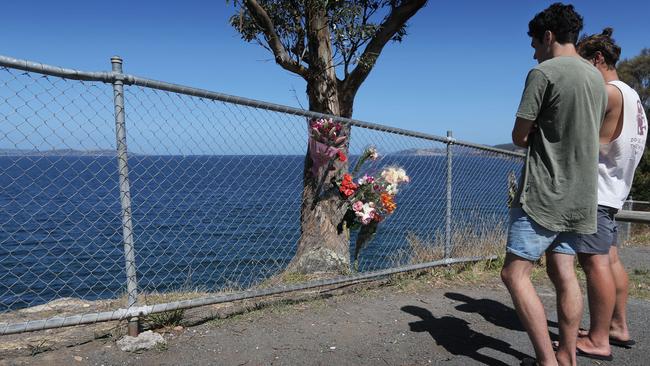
[(493, 312), (457, 338)]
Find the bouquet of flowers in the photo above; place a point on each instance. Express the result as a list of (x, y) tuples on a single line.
[(325, 141), (370, 198)]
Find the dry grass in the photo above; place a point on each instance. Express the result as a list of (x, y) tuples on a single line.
[(162, 297), (639, 236), (479, 238), (286, 278), (166, 319)]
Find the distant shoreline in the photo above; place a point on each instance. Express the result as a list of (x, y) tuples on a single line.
[(113, 153), (57, 152)]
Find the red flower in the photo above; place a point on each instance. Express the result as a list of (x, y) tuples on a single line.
[(342, 156), (347, 186)]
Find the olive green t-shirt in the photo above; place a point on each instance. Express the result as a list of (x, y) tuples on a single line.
[(566, 98)]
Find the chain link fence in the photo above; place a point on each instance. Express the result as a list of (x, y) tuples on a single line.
[(206, 208)]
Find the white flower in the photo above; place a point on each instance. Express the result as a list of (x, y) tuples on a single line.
[(366, 213), (391, 189), (372, 153), (394, 175)]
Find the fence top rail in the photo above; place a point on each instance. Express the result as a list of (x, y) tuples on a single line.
[(640, 217), (40, 68), (110, 77)]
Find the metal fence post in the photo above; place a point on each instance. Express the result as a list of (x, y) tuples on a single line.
[(125, 194), (624, 228), (448, 204)]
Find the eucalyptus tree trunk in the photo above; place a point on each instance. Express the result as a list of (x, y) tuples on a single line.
[(324, 244)]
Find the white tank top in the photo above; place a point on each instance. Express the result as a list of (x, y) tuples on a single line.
[(618, 159)]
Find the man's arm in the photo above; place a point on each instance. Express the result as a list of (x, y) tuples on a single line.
[(521, 131), (529, 107), (613, 122)]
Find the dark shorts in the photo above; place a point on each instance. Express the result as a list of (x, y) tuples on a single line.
[(605, 237)]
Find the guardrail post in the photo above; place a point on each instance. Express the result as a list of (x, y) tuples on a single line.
[(624, 228), (448, 202), (125, 194)]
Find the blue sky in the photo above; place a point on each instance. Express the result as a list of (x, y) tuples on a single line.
[(461, 67)]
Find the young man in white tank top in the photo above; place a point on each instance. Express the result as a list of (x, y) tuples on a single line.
[(622, 137)]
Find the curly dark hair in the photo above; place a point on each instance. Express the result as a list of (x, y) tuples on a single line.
[(603, 43), (562, 20)]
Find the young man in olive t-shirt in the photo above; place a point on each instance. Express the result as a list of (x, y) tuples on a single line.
[(559, 117)]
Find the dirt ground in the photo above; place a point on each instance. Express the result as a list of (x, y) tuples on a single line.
[(414, 323)]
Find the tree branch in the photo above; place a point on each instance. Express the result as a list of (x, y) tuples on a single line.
[(386, 31), (282, 58)]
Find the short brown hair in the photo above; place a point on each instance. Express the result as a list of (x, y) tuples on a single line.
[(603, 43), (562, 20)]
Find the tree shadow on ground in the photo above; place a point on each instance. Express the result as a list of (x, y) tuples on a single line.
[(494, 312), (457, 338)]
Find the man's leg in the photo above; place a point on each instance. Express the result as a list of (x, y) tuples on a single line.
[(618, 329), (602, 294), (516, 276), (560, 268)]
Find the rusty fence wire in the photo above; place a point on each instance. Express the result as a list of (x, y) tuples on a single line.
[(199, 195)]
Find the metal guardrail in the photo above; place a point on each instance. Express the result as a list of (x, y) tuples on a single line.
[(639, 217)]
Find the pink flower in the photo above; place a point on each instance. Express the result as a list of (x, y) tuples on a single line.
[(366, 213), (357, 206), (366, 179)]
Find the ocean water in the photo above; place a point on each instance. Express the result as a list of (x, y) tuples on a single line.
[(201, 222)]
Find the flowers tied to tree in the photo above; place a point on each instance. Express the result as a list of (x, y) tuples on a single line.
[(325, 144), (370, 198)]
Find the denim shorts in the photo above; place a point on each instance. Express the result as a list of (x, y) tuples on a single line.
[(529, 240)]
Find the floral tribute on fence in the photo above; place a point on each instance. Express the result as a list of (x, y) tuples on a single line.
[(367, 199), (370, 199), (326, 140)]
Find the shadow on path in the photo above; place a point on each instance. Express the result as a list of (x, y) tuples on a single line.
[(457, 338), (494, 312)]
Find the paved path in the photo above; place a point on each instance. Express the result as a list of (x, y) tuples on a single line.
[(425, 325)]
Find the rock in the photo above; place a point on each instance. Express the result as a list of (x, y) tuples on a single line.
[(61, 304), (144, 341), (178, 328), (78, 358)]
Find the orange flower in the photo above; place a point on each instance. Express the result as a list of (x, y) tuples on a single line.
[(387, 202)]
